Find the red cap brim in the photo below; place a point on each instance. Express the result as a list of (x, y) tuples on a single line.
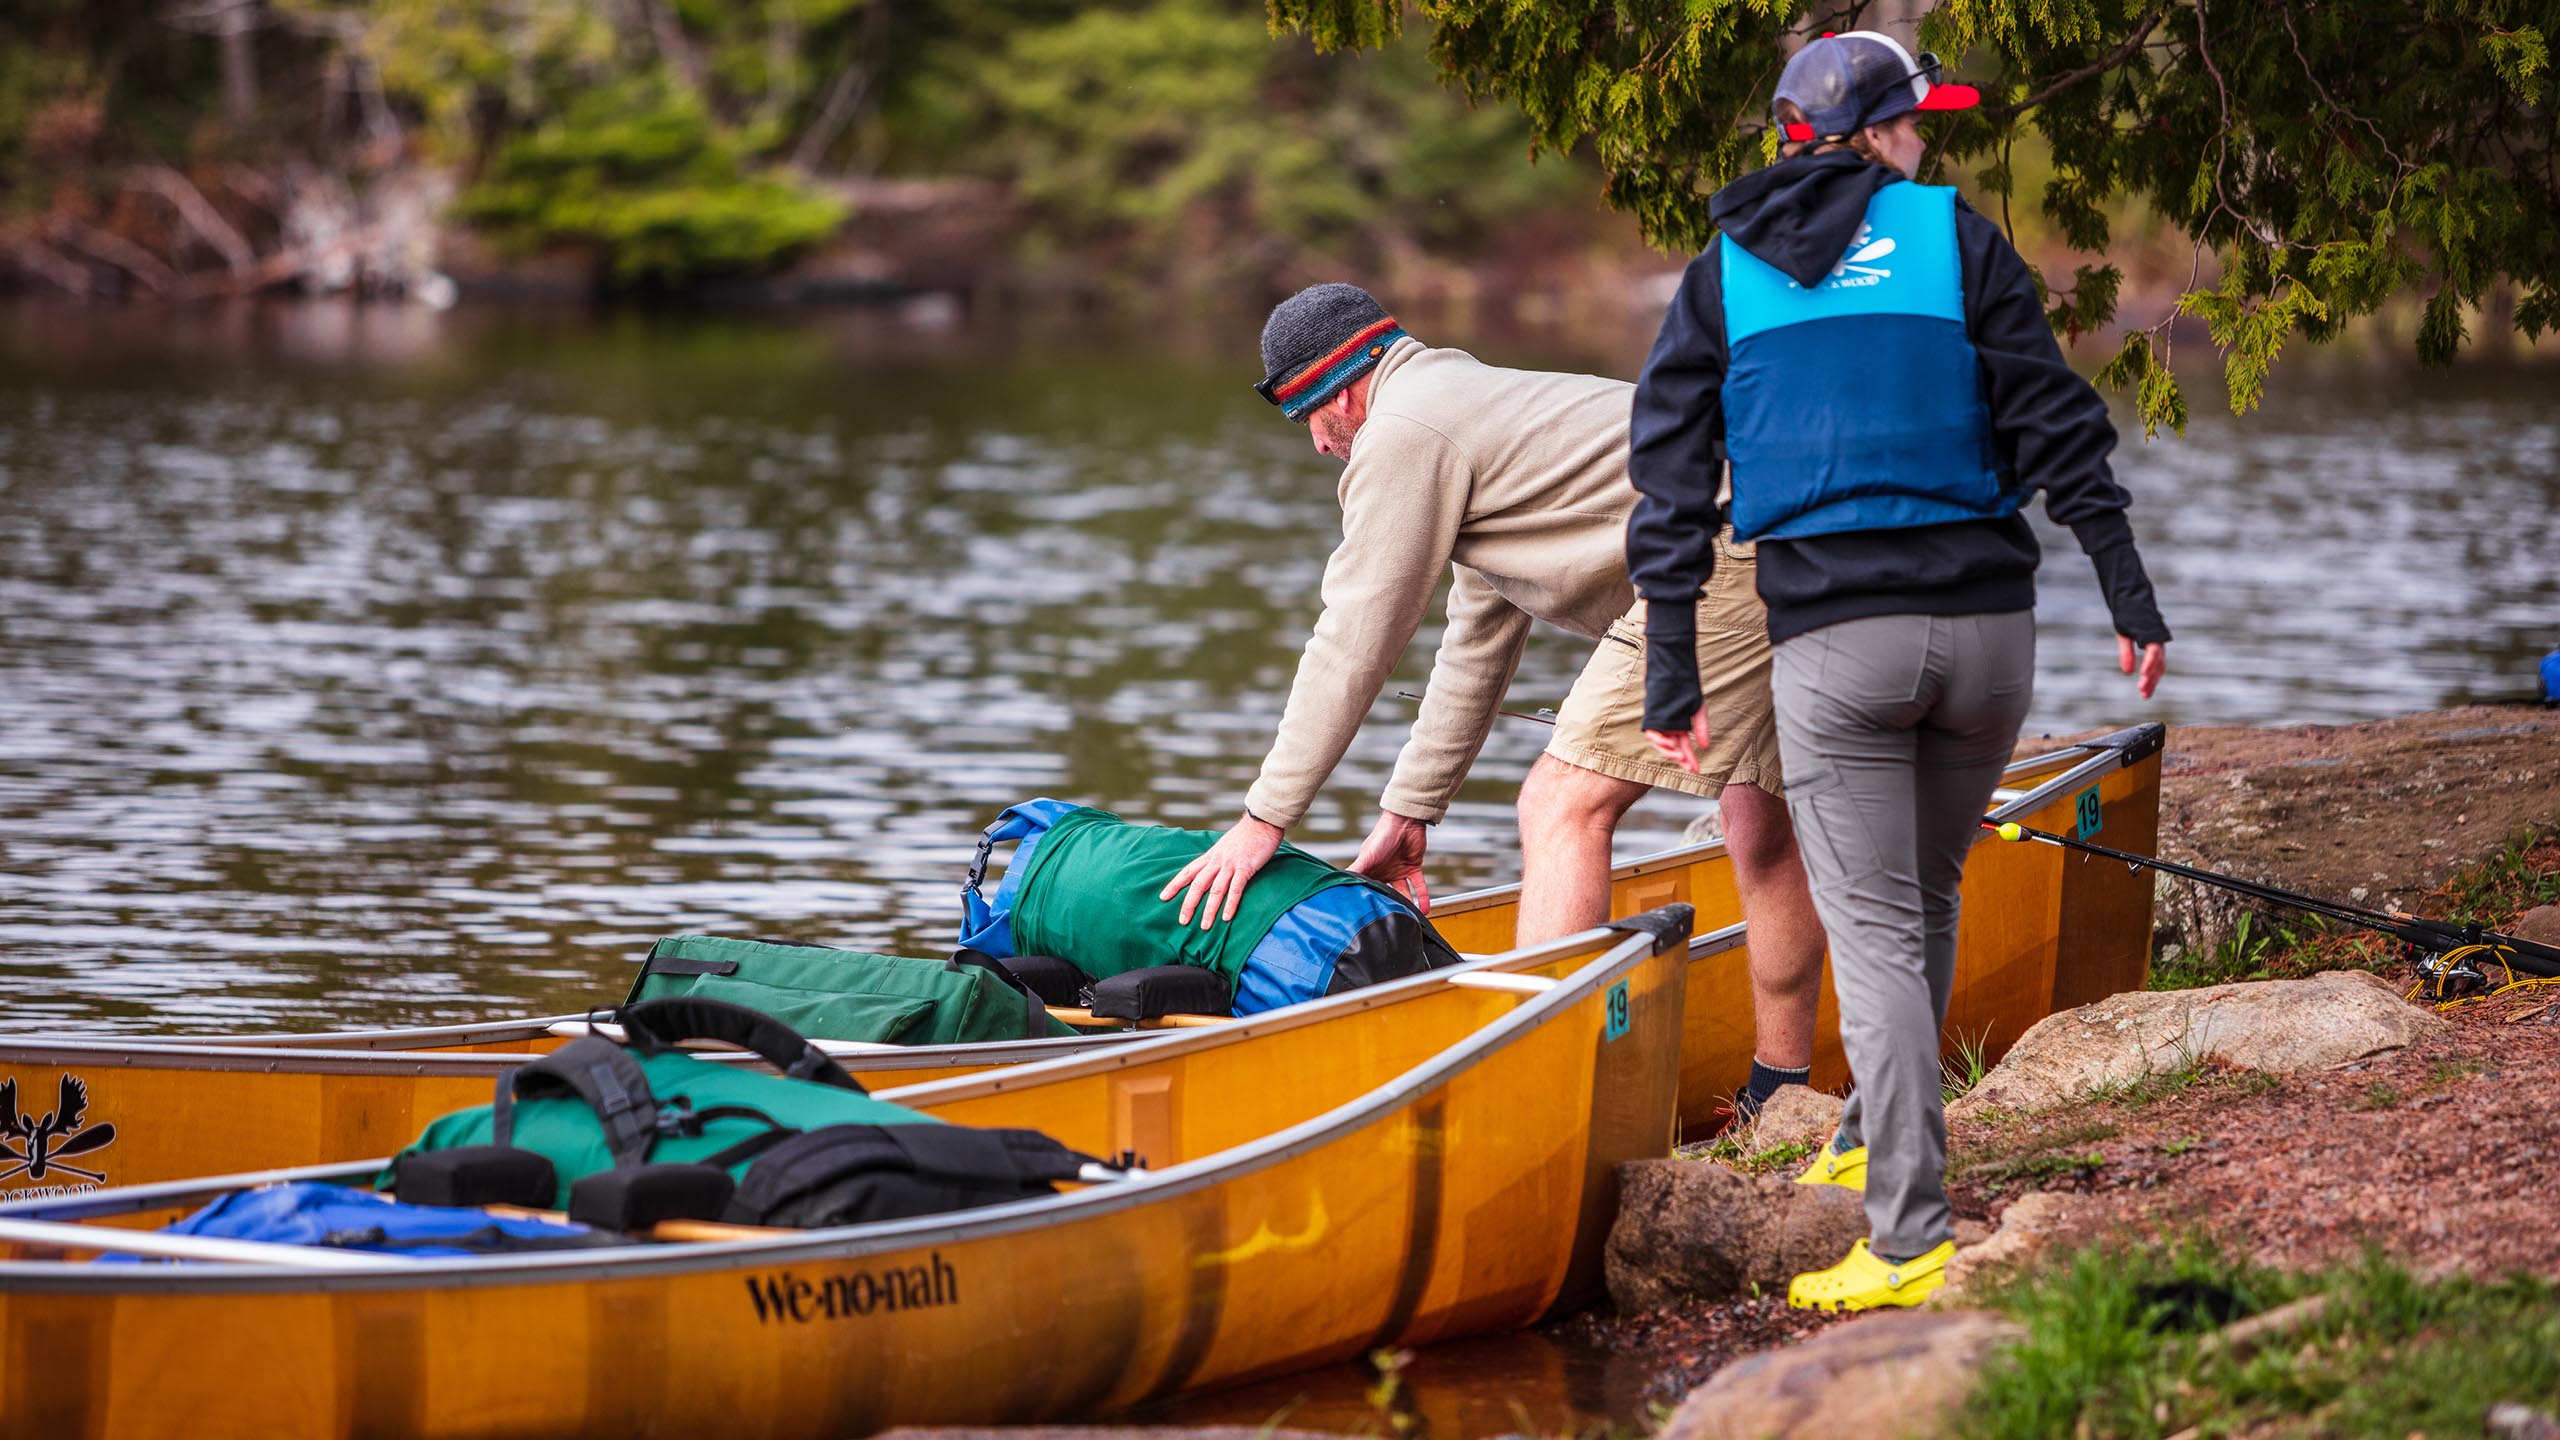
[(1951, 97)]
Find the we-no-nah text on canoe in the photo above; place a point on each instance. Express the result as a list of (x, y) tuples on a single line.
[(783, 1296)]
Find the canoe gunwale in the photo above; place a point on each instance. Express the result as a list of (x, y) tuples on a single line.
[(164, 1052), (855, 1242), (2114, 752), (441, 1040)]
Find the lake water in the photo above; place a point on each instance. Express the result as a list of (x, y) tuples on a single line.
[(373, 666)]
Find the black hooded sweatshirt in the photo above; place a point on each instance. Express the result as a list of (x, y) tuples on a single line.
[(2050, 432)]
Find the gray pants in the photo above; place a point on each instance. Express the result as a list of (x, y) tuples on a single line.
[(1894, 730)]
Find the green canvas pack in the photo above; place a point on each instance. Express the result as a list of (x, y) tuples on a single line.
[(567, 1130), (831, 994), (1088, 894)]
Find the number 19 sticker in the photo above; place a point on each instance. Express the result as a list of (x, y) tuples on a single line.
[(2090, 815), (1617, 1012)]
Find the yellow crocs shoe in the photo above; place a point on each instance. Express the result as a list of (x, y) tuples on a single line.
[(1846, 1169), (1866, 1282)]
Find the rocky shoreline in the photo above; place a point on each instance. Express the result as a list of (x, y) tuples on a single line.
[(2296, 1122), (2379, 813)]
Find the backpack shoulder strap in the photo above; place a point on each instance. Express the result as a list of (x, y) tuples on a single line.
[(594, 1070), (663, 1024), (800, 1163), (1035, 1012), (962, 1152)]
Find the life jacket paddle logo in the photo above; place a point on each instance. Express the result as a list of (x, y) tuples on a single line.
[(1855, 268), (37, 1148)]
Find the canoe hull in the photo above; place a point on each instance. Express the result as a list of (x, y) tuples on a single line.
[(1471, 1193)]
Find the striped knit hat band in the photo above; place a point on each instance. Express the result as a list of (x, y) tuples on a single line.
[(1320, 340), (1324, 379)]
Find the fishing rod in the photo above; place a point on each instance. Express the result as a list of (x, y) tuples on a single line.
[(2442, 950), (1543, 717)]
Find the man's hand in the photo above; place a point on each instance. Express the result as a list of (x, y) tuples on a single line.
[(1683, 748), (1392, 855), (2155, 662), (1219, 876)]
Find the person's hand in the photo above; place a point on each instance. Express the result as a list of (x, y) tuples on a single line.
[(1217, 879), (2155, 662), (1392, 856), (1683, 747)]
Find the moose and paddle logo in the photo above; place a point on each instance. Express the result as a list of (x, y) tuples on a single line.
[(36, 1149)]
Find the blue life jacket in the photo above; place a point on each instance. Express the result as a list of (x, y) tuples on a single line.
[(308, 1213), (1856, 404)]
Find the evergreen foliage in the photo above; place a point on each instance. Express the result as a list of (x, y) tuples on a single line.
[(1189, 142), (659, 132), (639, 171), (1164, 141), (2321, 157)]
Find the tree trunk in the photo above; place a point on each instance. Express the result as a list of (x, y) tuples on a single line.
[(240, 63)]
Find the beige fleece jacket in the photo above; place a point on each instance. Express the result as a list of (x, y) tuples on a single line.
[(1514, 479)]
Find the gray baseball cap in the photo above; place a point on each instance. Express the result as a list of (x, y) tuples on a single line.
[(1845, 82)]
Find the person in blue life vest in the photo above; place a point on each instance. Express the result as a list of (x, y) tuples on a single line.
[(1866, 362)]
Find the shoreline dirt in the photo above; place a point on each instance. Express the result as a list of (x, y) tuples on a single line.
[(2378, 813), (2430, 1153)]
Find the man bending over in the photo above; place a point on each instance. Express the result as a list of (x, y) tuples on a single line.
[(1515, 480)]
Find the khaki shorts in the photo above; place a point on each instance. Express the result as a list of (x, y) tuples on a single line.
[(1601, 723)]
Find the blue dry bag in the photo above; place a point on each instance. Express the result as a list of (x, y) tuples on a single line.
[(306, 1213), (987, 926)]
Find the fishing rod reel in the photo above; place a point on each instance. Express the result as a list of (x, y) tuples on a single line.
[(2458, 962), (2451, 974)]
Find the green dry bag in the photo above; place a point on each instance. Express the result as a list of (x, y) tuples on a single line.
[(847, 994)]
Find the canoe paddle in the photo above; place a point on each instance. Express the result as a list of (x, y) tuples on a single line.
[(2437, 946)]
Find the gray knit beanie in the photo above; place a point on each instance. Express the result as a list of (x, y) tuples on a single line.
[(1319, 340)]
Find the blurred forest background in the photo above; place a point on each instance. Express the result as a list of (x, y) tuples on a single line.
[(188, 147), (1121, 155)]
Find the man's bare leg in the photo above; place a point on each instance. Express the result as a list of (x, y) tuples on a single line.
[(1786, 934), (1568, 815)]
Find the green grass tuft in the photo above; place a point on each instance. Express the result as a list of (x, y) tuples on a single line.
[(2523, 874), (2108, 1352), (1964, 1069), (2023, 1161), (2153, 1085), (1727, 1149)]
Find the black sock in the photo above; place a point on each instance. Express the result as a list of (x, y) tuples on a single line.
[(1765, 1080)]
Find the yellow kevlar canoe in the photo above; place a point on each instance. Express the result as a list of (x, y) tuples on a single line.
[(2041, 931), (1432, 1158)]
